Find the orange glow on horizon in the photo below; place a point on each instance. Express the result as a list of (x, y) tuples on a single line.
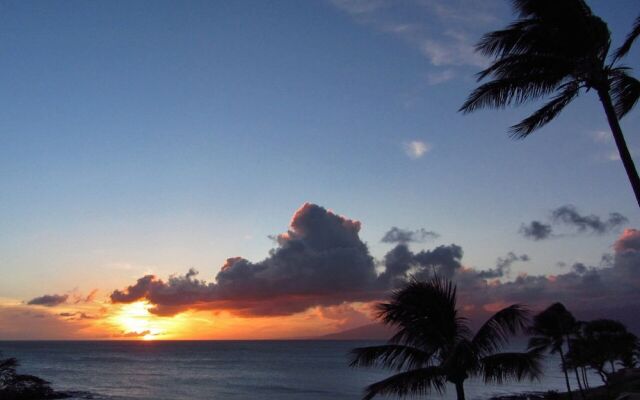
[(135, 321)]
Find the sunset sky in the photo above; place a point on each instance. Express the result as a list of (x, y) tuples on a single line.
[(257, 169)]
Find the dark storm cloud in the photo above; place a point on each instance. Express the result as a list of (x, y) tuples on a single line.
[(536, 230), (400, 263), (444, 260), (49, 300), (569, 215), (503, 266), (398, 235), (320, 260)]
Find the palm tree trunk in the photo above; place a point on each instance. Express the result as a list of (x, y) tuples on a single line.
[(460, 390), (575, 369), (613, 368), (625, 155), (585, 379), (566, 375), (579, 384)]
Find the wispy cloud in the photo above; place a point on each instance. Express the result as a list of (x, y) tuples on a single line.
[(443, 31), (438, 77), (416, 149), (601, 136), (568, 215), (607, 150)]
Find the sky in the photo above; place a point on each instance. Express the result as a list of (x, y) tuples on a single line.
[(271, 147)]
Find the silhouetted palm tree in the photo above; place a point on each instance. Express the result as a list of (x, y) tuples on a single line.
[(557, 48), (434, 344), (552, 329)]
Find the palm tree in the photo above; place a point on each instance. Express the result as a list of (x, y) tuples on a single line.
[(557, 48), (551, 329), (434, 345)]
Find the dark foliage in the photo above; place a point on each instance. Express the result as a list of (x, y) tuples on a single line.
[(434, 345)]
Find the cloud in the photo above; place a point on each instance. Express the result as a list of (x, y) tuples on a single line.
[(536, 230), (73, 316), (400, 263), (568, 215), (416, 149), (442, 76), (397, 235), (585, 288), (443, 31), (48, 300), (133, 334), (503, 266), (359, 7), (319, 261), (455, 50), (601, 136)]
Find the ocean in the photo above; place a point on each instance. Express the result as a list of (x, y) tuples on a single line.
[(220, 370)]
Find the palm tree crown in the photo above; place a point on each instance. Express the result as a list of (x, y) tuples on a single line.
[(434, 345), (557, 48), (552, 329)]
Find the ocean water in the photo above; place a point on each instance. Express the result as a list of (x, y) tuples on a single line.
[(234, 370)]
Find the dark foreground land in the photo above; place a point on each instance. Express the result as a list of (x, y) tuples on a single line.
[(623, 386)]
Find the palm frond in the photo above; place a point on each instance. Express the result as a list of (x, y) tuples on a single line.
[(524, 65), (499, 368), (517, 38), (546, 113), (625, 91), (628, 42), (415, 382), (495, 332), (500, 93), (540, 344), (425, 314), (389, 356), (543, 8), (461, 358)]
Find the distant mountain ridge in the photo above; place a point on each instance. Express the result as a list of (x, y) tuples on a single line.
[(366, 332), (376, 331)]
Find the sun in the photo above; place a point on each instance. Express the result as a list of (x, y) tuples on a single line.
[(135, 321)]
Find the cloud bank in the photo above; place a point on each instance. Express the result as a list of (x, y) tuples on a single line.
[(322, 262)]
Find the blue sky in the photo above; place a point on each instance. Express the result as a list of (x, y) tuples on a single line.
[(160, 136)]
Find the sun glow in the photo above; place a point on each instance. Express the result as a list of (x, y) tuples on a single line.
[(135, 321)]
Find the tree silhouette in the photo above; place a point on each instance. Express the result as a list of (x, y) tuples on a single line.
[(434, 345), (609, 342), (551, 329), (14, 386), (557, 48)]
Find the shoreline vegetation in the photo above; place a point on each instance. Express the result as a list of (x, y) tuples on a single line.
[(622, 383), (15, 386), (434, 349)]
